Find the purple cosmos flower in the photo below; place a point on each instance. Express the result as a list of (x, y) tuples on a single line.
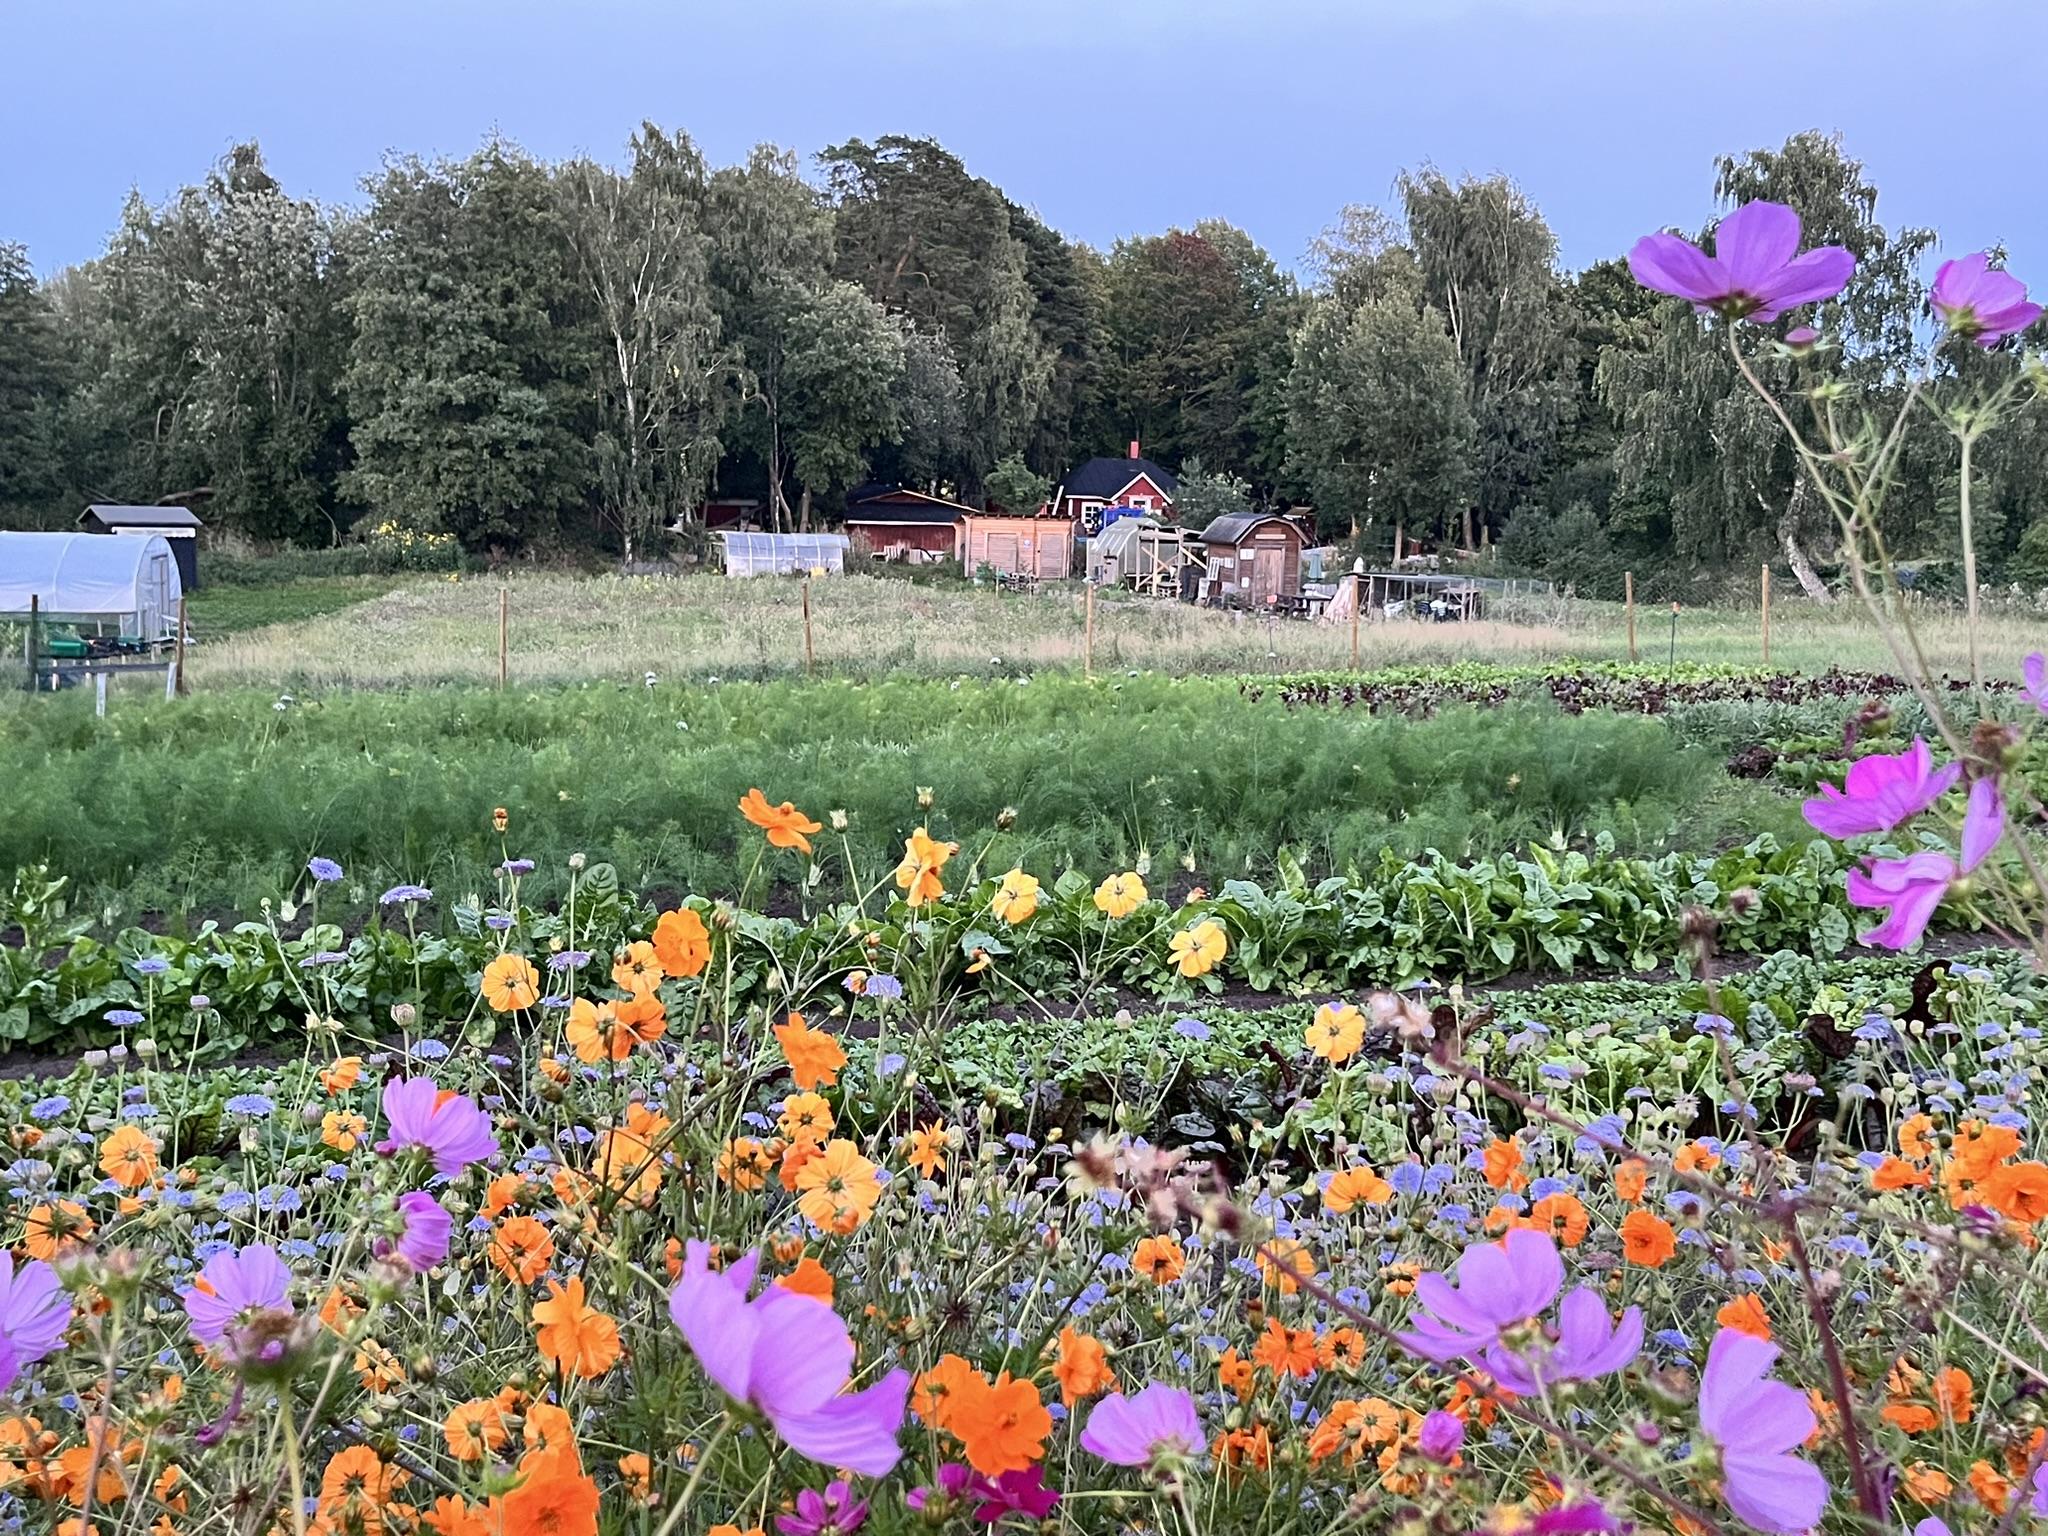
[(1589, 1345), (1979, 302), (835, 1512), (957, 1480), (1755, 1424), (1933, 1525), (1880, 792), (234, 1283), (789, 1356), (1586, 1518), (440, 1122), (34, 1312), (2035, 670), (1911, 888), (1441, 1437), (1499, 1285), (1015, 1493), (1155, 1424), (423, 1240), (2040, 1500), (1755, 272), (323, 871)]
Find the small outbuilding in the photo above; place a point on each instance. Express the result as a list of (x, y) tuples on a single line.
[(898, 523), (1254, 559), (127, 585), (175, 525), (783, 554), (1143, 554), (1038, 547)]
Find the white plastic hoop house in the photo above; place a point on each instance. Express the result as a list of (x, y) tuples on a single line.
[(784, 554), (129, 584)]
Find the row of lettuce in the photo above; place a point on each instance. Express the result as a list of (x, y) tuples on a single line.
[(964, 954)]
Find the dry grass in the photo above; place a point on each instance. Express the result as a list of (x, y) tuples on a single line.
[(571, 629)]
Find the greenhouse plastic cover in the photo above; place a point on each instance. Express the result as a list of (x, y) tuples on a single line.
[(778, 554), (86, 576)]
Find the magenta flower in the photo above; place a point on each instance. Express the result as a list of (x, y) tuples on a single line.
[(1755, 1424), (1911, 888), (789, 1356), (1977, 301), (438, 1121), (835, 1512), (1586, 1518), (1157, 1423), (1589, 1345), (1499, 1285), (1015, 1493), (1441, 1437), (1755, 272), (34, 1312), (423, 1238), (235, 1283), (2035, 670), (1880, 792)]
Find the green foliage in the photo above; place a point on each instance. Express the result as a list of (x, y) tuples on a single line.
[(32, 389), (1203, 496), (1015, 487)]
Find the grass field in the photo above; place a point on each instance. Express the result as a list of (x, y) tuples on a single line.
[(364, 632)]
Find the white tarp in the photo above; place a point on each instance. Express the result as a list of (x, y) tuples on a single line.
[(783, 554), (130, 581)]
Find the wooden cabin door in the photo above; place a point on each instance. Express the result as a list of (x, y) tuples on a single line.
[(1002, 552), (1269, 574)]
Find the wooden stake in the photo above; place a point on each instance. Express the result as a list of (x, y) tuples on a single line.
[(1767, 615), (1397, 546), (178, 653), (1088, 651), (28, 645), (504, 636), (1628, 594), (810, 655), (1357, 602)]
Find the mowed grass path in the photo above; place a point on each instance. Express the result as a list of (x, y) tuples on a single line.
[(399, 632)]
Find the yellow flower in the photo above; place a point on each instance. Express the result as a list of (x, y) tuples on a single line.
[(923, 857), (1120, 895), (1016, 898), (511, 983), (1336, 1032), (1196, 950), (837, 1189)]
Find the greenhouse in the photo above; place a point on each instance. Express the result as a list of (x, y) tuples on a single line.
[(784, 554), (125, 584)]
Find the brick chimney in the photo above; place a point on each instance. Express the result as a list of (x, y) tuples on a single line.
[(1134, 448)]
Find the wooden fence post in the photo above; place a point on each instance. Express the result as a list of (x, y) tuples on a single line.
[(1767, 615), (504, 636), (1088, 645), (1357, 603), (810, 655), (1628, 594), (178, 653), (28, 647)]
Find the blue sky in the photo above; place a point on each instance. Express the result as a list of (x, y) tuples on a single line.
[(1110, 117)]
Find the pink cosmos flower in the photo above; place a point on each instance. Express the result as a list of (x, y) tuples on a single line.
[(2035, 670), (235, 1283), (1977, 301), (1880, 792), (1589, 1344), (34, 1312), (1911, 888), (835, 1512), (789, 1356), (423, 1240), (448, 1127), (1441, 1436), (1755, 272), (1755, 1424), (995, 1499), (1144, 1427)]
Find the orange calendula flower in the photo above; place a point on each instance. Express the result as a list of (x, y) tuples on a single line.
[(1016, 898), (574, 1337), (1336, 1033), (1647, 1239), (682, 943), (784, 824), (1285, 1263), (1159, 1259), (926, 1151), (521, 1249), (51, 1230), (809, 1278), (342, 1075), (918, 875), (128, 1157), (636, 969), (1001, 1425), (1196, 951), (1081, 1367), (814, 1056), (1503, 1165), (511, 983), (1120, 895), (1745, 1314), (1352, 1187), (610, 1029), (837, 1190)]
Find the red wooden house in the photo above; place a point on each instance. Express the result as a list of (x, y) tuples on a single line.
[(1132, 481), (901, 524)]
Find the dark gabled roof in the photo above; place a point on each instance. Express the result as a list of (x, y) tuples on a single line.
[(1105, 477), (882, 502), (142, 517), (1232, 527)]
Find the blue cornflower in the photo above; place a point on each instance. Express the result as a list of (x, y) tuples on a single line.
[(883, 987), (254, 1105), (50, 1108), (398, 893), (516, 867), (569, 960), (431, 1050), (323, 871), (498, 922), (125, 1018), (1194, 1029)]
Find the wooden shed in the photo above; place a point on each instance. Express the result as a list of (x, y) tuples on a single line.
[(901, 524), (1042, 547), (175, 525), (1254, 559)]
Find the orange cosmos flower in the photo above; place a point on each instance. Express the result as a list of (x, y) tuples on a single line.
[(809, 1278), (343, 1131), (2019, 1190), (475, 1429), (1926, 1485), (1630, 1178), (806, 1117), (555, 1498), (682, 943), (610, 1029), (1916, 1138), (1953, 1394), (1647, 1239), (1696, 1156), (1981, 1146), (1159, 1259), (837, 1190), (548, 1433), (1195, 951), (511, 983), (1353, 1187), (918, 875), (573, 1337), (784, 824), (1120, 895), (1344, 1347), (1016, 898), (636, 969), (1001, 1424), (1336, 1032), (354, 1488), (927, 1148), (1503, 1165), (1235, 1374), (1286, 1351), (814, 1056), (342, 1075), (1563, 1216), (744, 1163), (51, 1230), (1896, 1173), (1992, 1489), (932, 1398), (1082, 1367), (1745, 1314), (521, 1248), (128, 1157), (1286, 1263), (449, 1516), (627, 1166)]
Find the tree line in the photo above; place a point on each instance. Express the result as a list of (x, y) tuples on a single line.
[(526, 354)]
